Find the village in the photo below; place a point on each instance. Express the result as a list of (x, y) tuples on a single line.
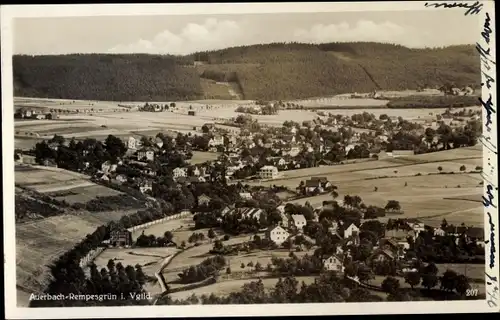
[(239, 188)]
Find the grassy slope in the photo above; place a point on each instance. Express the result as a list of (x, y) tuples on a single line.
[(275, 71)]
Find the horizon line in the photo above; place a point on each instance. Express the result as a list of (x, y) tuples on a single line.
[(247, 45)]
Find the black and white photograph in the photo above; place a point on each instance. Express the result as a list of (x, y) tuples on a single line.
[(178, 157)]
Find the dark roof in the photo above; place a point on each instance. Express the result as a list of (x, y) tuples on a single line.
[(455, 229), (475, 232), (312, 183), (384, 252)]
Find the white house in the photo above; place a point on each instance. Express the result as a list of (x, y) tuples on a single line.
[(179, 172), (277, 234), (196, 171), (121, 178), (282, 162), (268, 172), (246, 195), (147, 154), (281, 208), (439, 232), (298, 221), (352, 230), (292, 151), (203, 199), (132, 143), (215, 141), (333, 263), (284, 219)]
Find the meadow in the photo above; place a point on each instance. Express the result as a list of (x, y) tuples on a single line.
[(428, 195)]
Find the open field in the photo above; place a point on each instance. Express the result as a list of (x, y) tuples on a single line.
[(40, 242), (201, 157), (66, 104), (62, 184), (429, 196), (224, 288), (390, 167), (48, 179), (100, 124), (342, 102)]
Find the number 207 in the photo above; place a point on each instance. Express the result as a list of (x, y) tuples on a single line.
[(471, 292)]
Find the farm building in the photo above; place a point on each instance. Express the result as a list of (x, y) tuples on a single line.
[(120, 238), (277, 235), (191, 113)]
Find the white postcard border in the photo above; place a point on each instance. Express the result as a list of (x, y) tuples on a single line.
[(490, 170)]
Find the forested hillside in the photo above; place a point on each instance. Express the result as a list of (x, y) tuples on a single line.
[(271, 71), (106, 77)]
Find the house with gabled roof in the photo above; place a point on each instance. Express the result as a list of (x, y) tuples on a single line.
[(297, 222), (333, 263), (203, 200), (380, 255), (351, 231)]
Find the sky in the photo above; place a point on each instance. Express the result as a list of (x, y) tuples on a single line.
[(184, 34)]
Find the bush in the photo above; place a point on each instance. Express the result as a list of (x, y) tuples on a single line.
[(226, 237)]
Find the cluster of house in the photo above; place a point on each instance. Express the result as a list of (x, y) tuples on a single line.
[(315, 185), (391, 247), (37, 114)]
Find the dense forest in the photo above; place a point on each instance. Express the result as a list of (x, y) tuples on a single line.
[(269, 72)]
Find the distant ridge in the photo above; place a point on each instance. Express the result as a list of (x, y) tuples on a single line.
[(269, 71)]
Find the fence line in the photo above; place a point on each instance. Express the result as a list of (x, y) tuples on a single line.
[(162, 220)]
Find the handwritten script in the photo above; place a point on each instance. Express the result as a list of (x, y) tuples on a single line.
[(488, 139), (488, 200), (472, 8), (491, 241), (489, 108), (492, 297)]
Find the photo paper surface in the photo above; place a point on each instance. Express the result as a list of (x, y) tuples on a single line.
[(274, 159)]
